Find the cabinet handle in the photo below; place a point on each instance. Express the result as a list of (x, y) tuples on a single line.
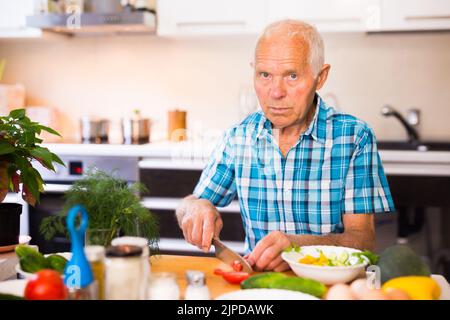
[(210, 23), (412, 18)]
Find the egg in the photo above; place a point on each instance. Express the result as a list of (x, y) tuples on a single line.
[(397, 294), (359, 288), (340, 292), (375, 294)]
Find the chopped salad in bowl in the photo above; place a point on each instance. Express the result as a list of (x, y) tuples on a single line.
[(328, 264)]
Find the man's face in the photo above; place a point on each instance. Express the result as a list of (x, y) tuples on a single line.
[(283, 81)]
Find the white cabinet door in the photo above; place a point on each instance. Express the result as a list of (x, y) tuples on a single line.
[(328, 15), (13, 18), (210, 17), (415, 15)]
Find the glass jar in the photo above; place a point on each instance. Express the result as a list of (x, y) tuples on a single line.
[(123, 272), (144, 245), (96, 258), (163, 286)]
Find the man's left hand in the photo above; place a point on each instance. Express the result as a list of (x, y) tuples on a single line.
[(266, 256)]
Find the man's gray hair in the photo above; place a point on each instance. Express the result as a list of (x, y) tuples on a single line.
[(305, 31)]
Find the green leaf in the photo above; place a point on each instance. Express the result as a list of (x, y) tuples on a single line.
[(50, 130), (44, 155), (57, 159), (17, 114), (6, 148)]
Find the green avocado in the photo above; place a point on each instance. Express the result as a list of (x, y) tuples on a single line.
[(400, 260)]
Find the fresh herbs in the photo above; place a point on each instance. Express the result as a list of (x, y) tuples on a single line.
[(112, 205), (19, 147)]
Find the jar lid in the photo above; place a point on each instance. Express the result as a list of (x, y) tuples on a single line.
[(123, 251)]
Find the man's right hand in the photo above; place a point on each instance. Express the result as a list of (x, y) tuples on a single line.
[(200, 223)]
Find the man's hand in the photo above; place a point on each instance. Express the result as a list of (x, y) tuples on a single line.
[(267, 253), (200, 222)]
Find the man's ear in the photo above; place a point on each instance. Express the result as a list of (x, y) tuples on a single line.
[(323, 75)]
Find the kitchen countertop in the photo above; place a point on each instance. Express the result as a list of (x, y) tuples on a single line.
[(193, 155)]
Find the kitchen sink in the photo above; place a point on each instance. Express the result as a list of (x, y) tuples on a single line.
[(421, 146)]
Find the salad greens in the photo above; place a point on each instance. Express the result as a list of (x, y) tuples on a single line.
[(319, 258)]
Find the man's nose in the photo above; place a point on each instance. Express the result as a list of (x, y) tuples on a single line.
[(278, 91)]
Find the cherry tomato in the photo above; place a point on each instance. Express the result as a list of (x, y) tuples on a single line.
[(46, 285), (235, 277), (236, 265), (218, 271)]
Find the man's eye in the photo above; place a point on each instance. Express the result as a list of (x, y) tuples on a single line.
[(264, 75), (293, 76)]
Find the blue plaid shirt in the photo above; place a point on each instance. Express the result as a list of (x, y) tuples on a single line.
[(334, 168)]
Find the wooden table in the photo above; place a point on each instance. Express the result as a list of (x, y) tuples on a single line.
[(180, 264)]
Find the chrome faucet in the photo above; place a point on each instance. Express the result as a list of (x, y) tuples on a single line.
[(413, 120)]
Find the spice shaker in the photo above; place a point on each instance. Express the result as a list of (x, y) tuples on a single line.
[(196, 289), (123, 272), (163, 286)]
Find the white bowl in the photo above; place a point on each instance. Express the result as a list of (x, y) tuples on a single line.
[(26, 275), (14, 287), (326, 274)]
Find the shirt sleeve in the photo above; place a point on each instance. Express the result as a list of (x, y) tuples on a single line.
[(366, 185), (217, 181)]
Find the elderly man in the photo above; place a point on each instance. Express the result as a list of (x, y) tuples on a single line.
[(304, 173)]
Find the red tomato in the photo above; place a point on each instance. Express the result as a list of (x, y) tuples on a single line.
[(237, 265), (218, 271), (235, 277), (46, 285)]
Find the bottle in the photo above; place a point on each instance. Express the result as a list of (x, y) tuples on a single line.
[(196, 289), (96, 258), (123, 272)]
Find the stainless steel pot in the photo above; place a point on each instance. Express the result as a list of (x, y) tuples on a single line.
[(94, 131), (136, 131)]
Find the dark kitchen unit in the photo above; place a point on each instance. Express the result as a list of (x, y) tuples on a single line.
[(52, 200)]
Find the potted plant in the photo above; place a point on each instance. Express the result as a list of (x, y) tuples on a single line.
[(113, 207), (19, 148)]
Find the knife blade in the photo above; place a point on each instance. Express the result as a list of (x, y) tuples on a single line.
[(228, 255)]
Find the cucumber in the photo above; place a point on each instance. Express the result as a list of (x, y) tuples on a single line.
[(309, 286), (5, 296), (263, 280)]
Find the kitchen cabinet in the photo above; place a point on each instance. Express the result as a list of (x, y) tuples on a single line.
[(327, 15), (210, 17), (409, 15), (13, 19)]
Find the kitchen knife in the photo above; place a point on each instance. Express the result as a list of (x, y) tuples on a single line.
[(229, 256)]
